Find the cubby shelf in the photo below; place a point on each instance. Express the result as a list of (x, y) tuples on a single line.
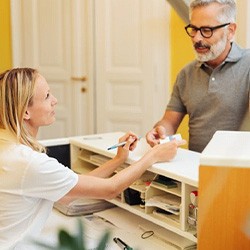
[(87, 156)]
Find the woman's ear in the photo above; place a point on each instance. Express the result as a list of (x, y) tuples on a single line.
[(26, 115)]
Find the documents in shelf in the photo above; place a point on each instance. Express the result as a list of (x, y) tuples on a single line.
[(165, 215), (168, 202), (83, 206)]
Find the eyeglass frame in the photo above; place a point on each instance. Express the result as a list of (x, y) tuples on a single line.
[(204, 27)]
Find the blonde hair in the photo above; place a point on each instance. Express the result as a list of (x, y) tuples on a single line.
[(16, 92)]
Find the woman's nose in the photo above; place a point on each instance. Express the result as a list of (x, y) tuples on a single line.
[(54, 101)]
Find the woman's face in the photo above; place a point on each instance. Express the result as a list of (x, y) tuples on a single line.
[(42, 110)]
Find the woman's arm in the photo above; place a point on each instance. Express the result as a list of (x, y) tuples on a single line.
[(108, 168), (95, 187)]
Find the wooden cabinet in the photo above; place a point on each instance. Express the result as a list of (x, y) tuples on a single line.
[(161, 195), (224, 197)]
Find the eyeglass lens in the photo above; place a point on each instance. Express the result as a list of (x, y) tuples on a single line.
[(206, 32)]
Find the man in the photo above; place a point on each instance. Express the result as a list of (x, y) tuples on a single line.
[(213, 89)]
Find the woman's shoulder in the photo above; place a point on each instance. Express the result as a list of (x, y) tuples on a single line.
[(26, 155)]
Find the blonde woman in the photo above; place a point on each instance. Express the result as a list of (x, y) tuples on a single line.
[(30, 180)]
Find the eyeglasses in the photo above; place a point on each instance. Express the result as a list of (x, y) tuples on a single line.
[(206, 32)]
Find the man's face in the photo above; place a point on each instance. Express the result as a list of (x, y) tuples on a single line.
[(214, 49), (206, 51)]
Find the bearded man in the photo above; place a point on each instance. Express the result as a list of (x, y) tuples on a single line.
[(212, 90)]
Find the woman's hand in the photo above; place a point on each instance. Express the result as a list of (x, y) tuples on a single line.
[(166, 151), (131, 142)]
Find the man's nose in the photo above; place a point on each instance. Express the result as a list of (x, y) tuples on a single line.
[(197, 37)]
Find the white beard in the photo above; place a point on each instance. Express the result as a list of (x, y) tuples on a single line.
[(214, 52)]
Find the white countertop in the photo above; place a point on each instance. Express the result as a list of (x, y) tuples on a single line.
[(184, 167), (228, 148)]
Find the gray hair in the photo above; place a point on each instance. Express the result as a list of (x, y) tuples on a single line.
[(228, 10)]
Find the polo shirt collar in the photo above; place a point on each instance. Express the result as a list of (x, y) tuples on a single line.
[(234, 55)]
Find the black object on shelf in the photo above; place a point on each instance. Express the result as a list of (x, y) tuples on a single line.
[(132, 197)]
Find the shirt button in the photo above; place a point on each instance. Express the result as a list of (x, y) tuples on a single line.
[(213, 79)]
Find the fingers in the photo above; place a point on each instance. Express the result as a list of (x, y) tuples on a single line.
[(161, 131), (153, 137), (167, 151), (131, 140), (131, 143), (180, 142), (174, 144), (127, 135)]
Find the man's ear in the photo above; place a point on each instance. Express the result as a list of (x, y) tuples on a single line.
[(26, 115), (232, 29)]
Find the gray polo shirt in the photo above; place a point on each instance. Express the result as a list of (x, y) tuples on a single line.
[(214, 99)]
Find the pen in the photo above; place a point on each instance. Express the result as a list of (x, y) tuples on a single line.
[(122, 244), (121, 144)]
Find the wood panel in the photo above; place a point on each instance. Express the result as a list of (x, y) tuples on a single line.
[(224, 208)]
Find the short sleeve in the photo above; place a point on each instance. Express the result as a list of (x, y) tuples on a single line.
[(46, 178), (175, 103)]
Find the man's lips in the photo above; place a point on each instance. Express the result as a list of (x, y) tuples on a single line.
[(201, 48)]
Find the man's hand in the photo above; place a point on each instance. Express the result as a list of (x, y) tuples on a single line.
[(153, 136)]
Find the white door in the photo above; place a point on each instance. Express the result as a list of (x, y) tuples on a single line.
[(105, 60), (131, 63), (50, 35)]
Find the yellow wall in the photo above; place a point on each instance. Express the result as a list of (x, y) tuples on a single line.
[(5, 38), (181, 54)]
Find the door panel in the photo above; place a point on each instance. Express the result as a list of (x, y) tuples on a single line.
[(45, 41), (128, 61)]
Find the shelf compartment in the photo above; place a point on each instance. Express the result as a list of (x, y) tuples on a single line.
[(83, 160), (167, 184), (168, 218), (170, 225), (166, 202), (176, 191)]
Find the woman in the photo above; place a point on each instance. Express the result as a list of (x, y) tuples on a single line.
[(30, 180)]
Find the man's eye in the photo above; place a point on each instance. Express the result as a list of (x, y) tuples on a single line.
[(206, 30), (48, 95)]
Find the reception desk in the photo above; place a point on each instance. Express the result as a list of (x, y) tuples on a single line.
[(84, 153)]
